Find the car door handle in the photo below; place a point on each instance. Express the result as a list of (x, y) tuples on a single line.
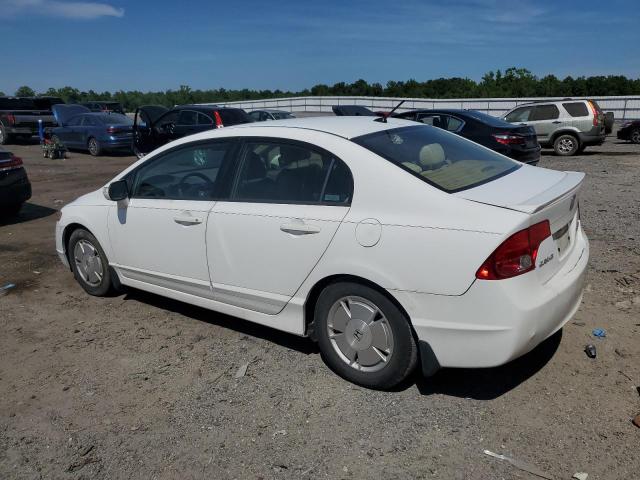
[(299, 228), (187, 219), (556, 122)]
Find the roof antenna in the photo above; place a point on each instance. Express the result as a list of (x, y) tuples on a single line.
[(384, 116)]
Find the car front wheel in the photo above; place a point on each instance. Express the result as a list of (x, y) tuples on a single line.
[(364, 336), (89, 263), (634, 136)]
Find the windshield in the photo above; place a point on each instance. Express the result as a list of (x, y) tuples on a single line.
[(115, 119), (440, 158)]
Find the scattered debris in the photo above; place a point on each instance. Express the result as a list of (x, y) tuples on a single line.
[(590, 350), (620, 353), (4, 290), (636, 421), (580, 476), (86, 451), (520, 465), (624, 305), (83, 462), (579, 324), (242, 371), (279, 432), (599, 332)]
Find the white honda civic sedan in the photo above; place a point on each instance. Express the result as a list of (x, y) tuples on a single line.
[(391, 244)]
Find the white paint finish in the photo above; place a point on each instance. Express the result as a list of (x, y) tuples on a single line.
[(153, 235), (250, 246), (260, 261)]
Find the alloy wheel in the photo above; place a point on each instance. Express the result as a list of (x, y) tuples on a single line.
[(566, 145), (360, 334), (93, 146)]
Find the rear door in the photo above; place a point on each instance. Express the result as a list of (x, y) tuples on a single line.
[(288, 201)]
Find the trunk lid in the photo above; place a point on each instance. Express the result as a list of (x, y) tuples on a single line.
[(63, 113), (543, 195)]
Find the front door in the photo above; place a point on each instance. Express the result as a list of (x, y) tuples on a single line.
[(158, 236), (145, 139), (287, 203), (545, 119)]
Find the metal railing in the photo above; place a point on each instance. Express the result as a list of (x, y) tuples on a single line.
[(623, 107)]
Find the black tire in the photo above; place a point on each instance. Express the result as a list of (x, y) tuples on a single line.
[(105, 284), (94, 147), (609, 120), (566, 145), (403, 355), (634, 135), (5, 138)]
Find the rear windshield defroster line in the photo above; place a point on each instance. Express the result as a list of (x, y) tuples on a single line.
[(439, 158)]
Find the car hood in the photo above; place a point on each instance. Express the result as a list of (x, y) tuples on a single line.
[(528, 189), (63, 113)]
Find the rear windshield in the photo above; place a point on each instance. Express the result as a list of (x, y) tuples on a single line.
[(488, 119), (115, 119), (440, 158), (234, 116)]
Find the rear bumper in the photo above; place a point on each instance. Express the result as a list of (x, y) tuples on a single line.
[(15, 187), (531, 156), (592, 138), (495, 322), (624, 134), (117, 143)]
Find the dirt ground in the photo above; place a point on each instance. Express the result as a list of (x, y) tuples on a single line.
[(137, 386)]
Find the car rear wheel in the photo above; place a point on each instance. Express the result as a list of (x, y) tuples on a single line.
[(94, 147), (566, 145), (89, 263), (634, 136), (364, 336)]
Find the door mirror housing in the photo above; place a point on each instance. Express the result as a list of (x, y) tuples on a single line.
[(118, 190)]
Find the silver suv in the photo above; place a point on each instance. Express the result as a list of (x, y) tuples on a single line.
[(567, 126)]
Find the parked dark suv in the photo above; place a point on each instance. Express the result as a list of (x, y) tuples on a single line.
[(154, 125), (15, 188), (19, 116)]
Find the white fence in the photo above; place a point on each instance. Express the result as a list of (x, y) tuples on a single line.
[(622, 107)]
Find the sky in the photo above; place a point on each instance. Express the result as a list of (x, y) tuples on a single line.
[(295, 44)]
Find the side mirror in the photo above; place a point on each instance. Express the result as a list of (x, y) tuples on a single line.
[(118, 190)]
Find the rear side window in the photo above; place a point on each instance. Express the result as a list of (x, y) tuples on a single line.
[(545, 112), (441, 159), (281, 172), (188, 117), (576, 109)]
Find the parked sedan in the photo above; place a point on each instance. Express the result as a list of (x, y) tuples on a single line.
[(79, 128), (15, 188), (630, 131), (392, 244), (514, 141), (264, 115)]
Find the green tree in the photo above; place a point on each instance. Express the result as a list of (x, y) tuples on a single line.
[(25, 91)]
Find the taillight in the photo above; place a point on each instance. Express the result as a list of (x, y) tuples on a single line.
[(594, 111), (218, 119), (509, 138), (11, 163), (11, 119), (113, 130), (516, 255)]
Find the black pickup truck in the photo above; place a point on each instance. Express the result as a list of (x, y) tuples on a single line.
[(19, 116)]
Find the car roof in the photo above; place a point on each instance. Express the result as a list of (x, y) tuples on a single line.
[(346, 127)]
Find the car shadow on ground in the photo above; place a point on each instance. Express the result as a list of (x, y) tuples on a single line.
[(489, 383), (588, 153), (478, 383), (287, 340), (28, 212)]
